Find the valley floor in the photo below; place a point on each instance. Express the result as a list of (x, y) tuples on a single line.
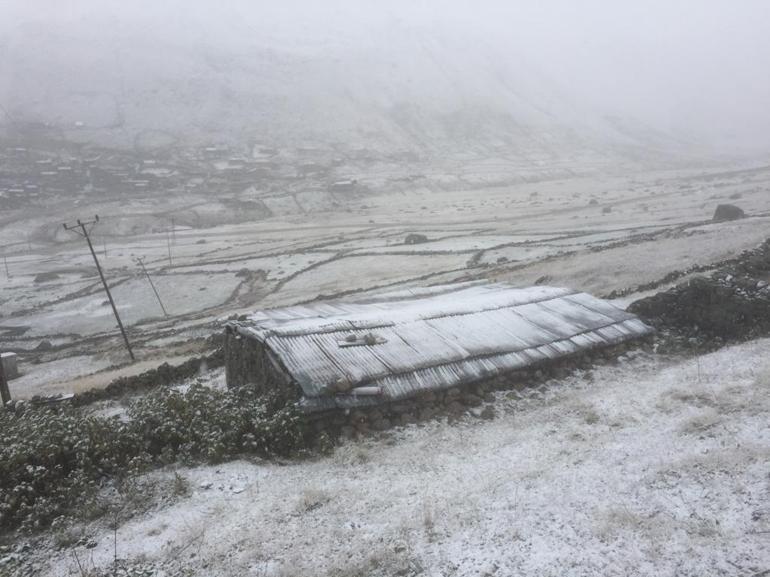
[(597, 234)]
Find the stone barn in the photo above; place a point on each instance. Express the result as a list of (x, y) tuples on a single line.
[(397, 346)]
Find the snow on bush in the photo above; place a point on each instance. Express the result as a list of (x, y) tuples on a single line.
[(53, 459)]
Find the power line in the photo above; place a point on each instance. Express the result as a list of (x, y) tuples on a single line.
[(84, 233)]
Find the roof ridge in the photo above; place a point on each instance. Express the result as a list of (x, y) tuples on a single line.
[(375, 324)]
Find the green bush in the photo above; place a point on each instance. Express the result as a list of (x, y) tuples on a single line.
[(52, 459)]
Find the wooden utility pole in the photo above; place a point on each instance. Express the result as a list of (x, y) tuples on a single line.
[(5, 261), (5, 394), (168, 245), (84, 233), (157, 296)]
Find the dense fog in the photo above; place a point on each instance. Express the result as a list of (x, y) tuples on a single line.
[(421, 76)]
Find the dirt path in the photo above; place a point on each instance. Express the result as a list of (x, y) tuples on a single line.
[(47, 384)]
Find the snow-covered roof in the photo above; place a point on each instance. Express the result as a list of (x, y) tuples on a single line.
[(345, 354)]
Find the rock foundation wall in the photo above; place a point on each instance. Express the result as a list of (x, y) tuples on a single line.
[(474, 399), (248, 362)]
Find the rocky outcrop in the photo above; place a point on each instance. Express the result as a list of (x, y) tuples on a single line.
[(731, 305), (720, 309)]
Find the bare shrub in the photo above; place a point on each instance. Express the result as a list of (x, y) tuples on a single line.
[(180, 486), (379, 563), (585, 412), (701, 423), (312, 499)]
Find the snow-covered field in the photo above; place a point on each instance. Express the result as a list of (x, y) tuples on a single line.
[(594, 233), (650, 467)]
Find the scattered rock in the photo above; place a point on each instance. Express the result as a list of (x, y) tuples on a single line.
[(46, 277), (488, 413), (43, 346), (371, 339), (406, 419), (725, 212), (414, 238), (452, 393), (455, 408), (381, 424), (427, 413)]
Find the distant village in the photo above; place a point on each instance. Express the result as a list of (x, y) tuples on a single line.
[(31, 175)]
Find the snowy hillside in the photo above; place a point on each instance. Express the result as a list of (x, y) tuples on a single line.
[(383, 85)]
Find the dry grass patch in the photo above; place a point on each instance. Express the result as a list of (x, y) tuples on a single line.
[(312, 499), (701, 423)]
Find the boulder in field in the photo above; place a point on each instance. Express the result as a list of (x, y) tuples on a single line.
[(44, 346), (414, 238), (726, 212), (45, 277)]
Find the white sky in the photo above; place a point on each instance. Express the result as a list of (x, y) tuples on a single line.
[(699, 68)]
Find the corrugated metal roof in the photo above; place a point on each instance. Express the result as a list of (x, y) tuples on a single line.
[(432, 338)]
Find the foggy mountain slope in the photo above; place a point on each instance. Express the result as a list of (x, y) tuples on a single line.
[(426, 93)]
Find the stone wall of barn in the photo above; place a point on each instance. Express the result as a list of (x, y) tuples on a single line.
[(476, 398), (250, 362)]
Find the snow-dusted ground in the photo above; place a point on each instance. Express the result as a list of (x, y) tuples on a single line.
[(647, 467), (593, 233)]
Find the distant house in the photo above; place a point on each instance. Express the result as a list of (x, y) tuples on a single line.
[(334, 354), (342, 186)]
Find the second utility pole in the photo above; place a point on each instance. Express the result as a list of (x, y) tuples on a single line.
[(157, 296), (84, 233)]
